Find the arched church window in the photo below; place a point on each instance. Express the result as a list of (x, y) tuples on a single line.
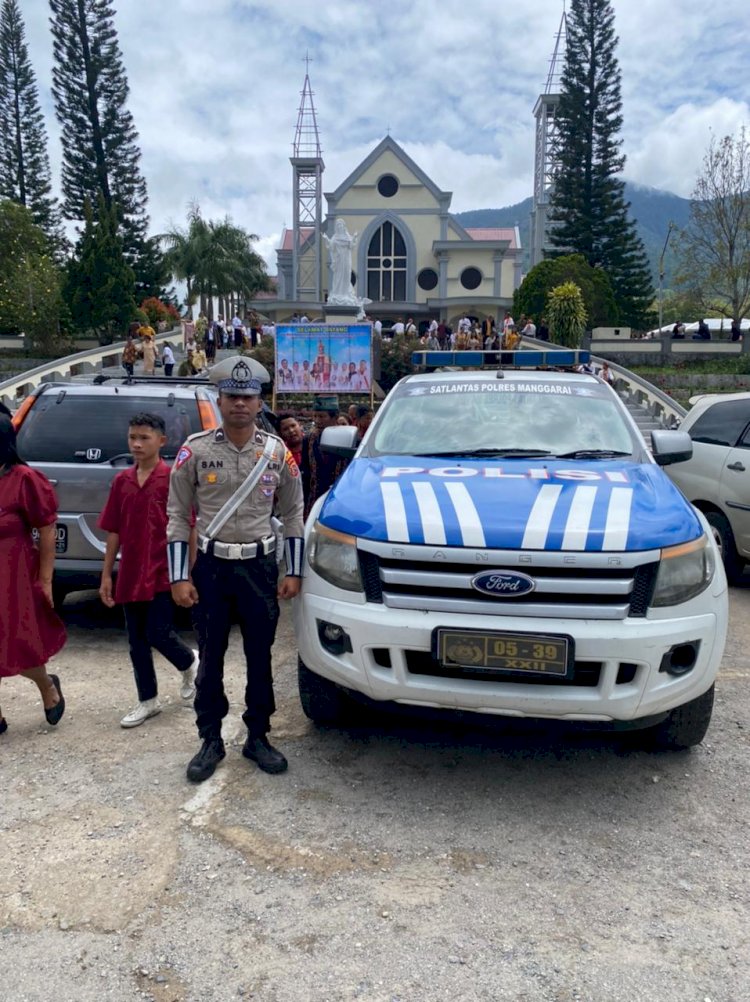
[(386, 265)]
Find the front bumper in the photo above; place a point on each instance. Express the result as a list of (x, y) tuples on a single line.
[(381, 636)]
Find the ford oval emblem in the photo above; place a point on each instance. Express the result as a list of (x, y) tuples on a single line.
[(503, 584)]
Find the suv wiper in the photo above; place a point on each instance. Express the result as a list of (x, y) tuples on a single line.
[(500, 453), (592, 454)]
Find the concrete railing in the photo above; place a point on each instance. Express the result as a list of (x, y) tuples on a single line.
[(664, 350), (634, 389), (13, 390)]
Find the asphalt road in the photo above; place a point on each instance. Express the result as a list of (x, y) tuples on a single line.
[(394, 861)]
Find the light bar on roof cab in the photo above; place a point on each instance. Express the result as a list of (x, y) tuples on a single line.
[(562, 358)]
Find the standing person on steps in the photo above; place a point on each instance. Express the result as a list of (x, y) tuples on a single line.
[(135, 520), (30, 630), (232, 476)]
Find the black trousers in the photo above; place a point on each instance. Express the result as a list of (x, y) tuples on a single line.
[(168, 368), (150, 625), (242, 591)]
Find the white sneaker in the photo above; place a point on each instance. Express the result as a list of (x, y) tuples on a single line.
[(187, 678), (149, 708)]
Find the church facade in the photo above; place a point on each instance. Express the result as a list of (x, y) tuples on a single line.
[(412, 257)]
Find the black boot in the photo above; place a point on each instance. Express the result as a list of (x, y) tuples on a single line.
[(266, 757), (203, 765)]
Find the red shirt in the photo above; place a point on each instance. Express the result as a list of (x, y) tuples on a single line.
[(139, 516)]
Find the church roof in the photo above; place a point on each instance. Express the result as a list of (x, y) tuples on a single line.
[(389, 144), (508, 233), (287, 237)]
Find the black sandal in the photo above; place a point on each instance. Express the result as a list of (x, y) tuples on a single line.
[(3, 725), (54, 713)]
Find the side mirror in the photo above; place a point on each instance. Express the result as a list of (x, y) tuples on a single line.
[(339, 440), (671, 447)]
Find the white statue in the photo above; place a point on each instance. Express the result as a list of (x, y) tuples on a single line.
[(340, 248)]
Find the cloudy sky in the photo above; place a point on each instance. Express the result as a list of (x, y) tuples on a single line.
[(215, 87)]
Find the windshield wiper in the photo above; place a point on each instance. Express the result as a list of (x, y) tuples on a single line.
[(499, 453), (592, 454)]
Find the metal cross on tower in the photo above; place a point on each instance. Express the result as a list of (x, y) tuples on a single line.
[(307, 166), (547, 145)]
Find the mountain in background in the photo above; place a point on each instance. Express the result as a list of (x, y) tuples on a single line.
[(652, 210)]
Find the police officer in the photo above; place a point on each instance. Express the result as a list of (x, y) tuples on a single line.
[(235, 572)]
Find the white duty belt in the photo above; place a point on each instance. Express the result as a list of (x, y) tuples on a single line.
[(222, 516), (237, 551)]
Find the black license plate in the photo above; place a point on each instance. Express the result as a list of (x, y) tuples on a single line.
[(498, 653), (61, 538)]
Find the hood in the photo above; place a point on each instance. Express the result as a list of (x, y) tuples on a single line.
[(510, 504)]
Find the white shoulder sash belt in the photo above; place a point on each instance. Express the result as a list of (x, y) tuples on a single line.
[(222, 516)]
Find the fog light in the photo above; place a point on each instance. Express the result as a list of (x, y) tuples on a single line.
[(333, 638), (681, 658)]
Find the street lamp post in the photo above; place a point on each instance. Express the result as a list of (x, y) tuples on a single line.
[(661, 272)]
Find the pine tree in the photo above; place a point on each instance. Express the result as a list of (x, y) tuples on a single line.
[(100, 284), (24, 164), (100, 142), (588, 210)]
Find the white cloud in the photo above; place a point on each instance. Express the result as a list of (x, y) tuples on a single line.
[(215, 90)]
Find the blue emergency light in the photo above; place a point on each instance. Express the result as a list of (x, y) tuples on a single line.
[(561, 358)]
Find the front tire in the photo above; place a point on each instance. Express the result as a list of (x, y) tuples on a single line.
[(734, 565), (685, 726), (322, 701)]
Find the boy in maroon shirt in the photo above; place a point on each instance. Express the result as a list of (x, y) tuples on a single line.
[(135, 520)]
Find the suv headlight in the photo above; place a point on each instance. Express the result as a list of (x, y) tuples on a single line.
[(333, 555), (684, 572)]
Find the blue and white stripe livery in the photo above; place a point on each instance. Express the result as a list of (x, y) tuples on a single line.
[(573, 507)]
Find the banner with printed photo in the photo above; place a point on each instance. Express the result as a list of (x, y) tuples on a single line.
[(323, 358)]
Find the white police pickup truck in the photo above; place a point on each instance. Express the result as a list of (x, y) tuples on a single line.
[(504, 542)]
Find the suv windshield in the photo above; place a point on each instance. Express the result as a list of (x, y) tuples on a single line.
[(503, 417), (73, 428)]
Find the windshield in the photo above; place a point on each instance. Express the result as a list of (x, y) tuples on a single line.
[(502, 417), (72, 428)]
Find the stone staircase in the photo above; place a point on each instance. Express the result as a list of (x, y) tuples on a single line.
[(643, 418)]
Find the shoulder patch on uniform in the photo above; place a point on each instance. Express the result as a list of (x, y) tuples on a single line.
[(198, 435), (182, 457), (291, 463)]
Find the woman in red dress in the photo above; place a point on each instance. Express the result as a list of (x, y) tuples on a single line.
[(30, 630)]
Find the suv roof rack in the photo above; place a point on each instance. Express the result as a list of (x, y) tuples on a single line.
[(102, 377), (558, 359)]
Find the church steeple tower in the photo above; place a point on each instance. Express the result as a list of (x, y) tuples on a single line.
[(547, 145), (307, 167)]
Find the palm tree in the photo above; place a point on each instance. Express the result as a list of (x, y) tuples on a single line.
[(214, 259)]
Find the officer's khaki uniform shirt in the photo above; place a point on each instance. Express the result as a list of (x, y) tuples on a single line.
[(207, 473)]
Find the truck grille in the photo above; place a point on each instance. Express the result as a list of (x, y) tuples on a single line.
[(589, 586)]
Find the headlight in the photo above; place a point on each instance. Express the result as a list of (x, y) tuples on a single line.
[(333, 555), (684, 572)]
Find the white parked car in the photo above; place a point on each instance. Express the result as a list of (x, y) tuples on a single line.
[(503, 542), (717, 477)]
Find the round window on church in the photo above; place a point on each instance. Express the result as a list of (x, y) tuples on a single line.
[(388, 185), (471, 278), (427, 279)]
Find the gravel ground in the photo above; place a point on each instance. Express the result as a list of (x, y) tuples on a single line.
[(394, 861)]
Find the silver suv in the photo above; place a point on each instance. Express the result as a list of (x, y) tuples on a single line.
[(77, 433)]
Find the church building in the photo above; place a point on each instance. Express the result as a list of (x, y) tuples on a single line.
[(412, 257)]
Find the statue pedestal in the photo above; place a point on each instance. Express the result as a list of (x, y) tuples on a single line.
[(341, 314)]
